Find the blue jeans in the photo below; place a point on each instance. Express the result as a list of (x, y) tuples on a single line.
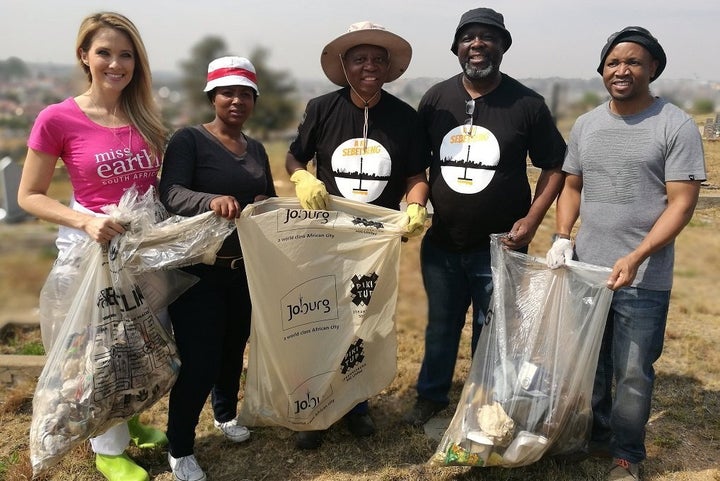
[(632, 342), (452, 281)]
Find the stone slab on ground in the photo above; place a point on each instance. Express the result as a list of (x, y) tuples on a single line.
[(435, 428), (17, 369)]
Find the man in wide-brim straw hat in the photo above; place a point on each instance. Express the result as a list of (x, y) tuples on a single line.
[(367, 146), (399, 51)]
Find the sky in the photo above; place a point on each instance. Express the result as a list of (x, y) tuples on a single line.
[(551, 38)]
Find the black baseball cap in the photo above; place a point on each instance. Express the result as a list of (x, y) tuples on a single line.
[(641, 36)]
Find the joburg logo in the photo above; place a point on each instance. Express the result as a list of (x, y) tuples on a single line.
[(304, 307), (362, 288), (299, 215), (354, 356), (311, 301), (293, 219)]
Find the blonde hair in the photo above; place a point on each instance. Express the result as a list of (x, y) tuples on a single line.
[(136, 99)]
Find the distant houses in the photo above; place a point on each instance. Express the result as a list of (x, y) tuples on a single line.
[(711, 129)]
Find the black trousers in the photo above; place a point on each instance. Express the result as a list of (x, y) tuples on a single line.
[(211, 322)]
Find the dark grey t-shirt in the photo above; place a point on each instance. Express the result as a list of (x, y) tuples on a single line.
[(197, 168)]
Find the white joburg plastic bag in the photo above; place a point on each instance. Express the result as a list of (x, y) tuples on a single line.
[(323, 286), (530, 384)]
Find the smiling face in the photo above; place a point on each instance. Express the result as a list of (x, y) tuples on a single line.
[(111, 59), (367, 68), (480, 51), (627, 71)]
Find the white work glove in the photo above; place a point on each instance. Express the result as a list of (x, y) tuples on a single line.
[(560, 252), (310, 191)]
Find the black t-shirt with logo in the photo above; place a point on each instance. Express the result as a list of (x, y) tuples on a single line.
[(478, 173), (376, 173)]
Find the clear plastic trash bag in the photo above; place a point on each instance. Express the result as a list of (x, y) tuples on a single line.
[(530, 384), (110, 356)]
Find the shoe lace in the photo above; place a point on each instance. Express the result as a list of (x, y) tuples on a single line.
[(229, 424), (623, 463), (189, 464)]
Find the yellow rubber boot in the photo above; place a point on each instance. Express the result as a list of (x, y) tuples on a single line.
[(120, 468), (145, 437)]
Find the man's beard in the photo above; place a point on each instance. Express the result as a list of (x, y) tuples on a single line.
[(474, 73)]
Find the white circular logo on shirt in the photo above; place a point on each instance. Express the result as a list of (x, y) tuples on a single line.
[(361, 174), (468, 158)]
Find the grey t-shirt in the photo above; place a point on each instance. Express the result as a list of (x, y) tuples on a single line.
[(625, 162)]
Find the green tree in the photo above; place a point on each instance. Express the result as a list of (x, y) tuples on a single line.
[(194, 77), (703, 106), (275, 109), (13, 69)]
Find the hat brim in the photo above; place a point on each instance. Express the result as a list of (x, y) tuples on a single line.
[(649, 43), (399, 52), (231, 81)]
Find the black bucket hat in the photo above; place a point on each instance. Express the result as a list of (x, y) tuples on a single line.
[(638, 35), (484, 16)]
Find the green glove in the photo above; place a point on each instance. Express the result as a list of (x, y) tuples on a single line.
[(310, 192), (417, 214)]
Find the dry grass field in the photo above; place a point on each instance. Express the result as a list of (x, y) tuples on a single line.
[(683, 436)]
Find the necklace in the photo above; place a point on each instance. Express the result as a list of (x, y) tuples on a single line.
[(366, 108), (126, 149)]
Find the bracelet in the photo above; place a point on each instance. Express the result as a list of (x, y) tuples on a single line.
[(416, 203), (557, 236)]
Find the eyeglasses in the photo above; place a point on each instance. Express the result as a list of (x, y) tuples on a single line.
[(469, 110)]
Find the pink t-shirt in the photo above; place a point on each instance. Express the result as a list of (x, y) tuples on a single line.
[(102, 162)]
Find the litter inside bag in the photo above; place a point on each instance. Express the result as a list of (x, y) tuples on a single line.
[(110, 356), (529, 388)]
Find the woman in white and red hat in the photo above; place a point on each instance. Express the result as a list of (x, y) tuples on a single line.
[(214, 166)]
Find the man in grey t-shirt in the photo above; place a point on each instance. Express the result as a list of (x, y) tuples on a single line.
[(633, 172)]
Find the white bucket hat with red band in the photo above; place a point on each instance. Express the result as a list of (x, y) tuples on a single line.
[(227, 71)]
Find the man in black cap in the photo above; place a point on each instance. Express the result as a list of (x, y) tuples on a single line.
[(634, 167), (481, 125)]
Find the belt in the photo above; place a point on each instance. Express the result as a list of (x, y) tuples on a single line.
[(229, 262)]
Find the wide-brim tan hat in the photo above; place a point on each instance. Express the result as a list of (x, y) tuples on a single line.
[(365, 33)]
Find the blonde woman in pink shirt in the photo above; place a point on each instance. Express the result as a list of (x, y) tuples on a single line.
[(109, 138)]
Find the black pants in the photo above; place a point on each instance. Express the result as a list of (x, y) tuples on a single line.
[(211, 322)]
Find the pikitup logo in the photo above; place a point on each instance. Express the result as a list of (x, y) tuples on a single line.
[(354, 356), (362, 288), (367, 222)]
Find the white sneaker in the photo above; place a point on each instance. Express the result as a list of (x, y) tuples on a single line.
[(233, 431), (186, 468)]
